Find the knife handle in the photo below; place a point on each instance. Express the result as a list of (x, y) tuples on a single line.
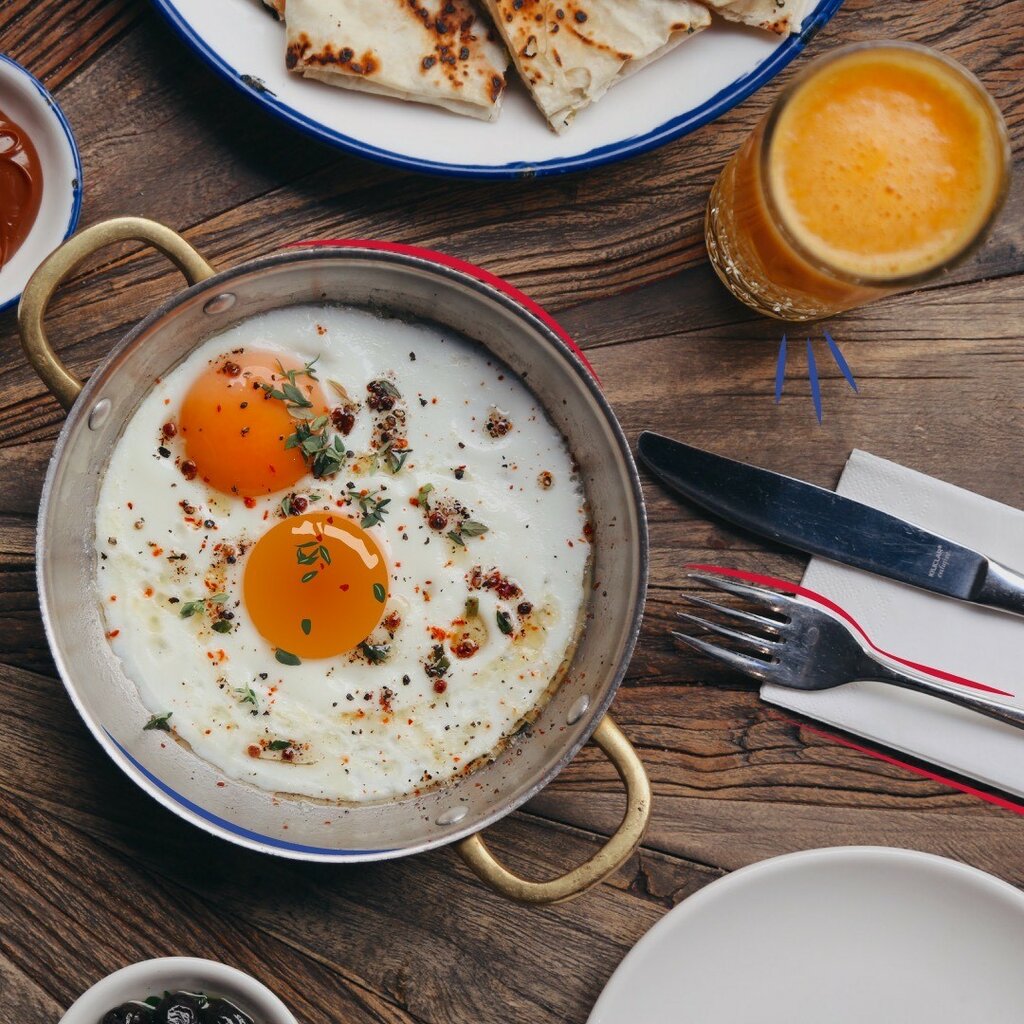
[(1001, 588), (973, 701)]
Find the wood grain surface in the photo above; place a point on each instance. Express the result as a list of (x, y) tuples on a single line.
[(94, 875)]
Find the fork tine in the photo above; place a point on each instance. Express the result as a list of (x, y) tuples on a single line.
[(770, 599), (757, 642), (744, 663), (773, 626)]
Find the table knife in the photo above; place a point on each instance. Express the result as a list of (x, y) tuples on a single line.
[(821, 522)]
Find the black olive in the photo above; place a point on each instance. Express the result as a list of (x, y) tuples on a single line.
[(130, 1013), (220, 1011), (180, 1008)]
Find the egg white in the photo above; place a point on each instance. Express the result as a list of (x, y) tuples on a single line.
[(359, 731)]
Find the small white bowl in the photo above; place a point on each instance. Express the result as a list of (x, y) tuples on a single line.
[(26, 102), (178, 973)]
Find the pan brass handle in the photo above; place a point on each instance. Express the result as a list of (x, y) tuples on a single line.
[(619, 848), (36, 297)]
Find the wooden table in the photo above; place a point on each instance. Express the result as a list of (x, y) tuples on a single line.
[(93, 875)]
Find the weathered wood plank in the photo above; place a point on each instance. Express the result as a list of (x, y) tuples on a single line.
[(55, 40)]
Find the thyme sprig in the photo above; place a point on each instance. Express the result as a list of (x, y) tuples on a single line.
[(467, 528), (374, 509), (323, 452)]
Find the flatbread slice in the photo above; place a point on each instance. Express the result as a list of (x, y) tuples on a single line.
[(427, 51), (779, 16), (570, 52)]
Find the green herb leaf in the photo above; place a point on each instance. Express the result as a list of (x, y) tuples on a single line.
[(222, 626), (505, 623), (457, 538), (246, 695), (379, 592), (218, 598), (307, 625), (160, 722), (309, 576), (472, 528), (325, 554), (422, 496), (375, 653), (279, 745), (438, 663), (286, 657)]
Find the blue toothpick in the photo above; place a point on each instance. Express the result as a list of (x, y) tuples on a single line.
[(841, 362), (780, 371)]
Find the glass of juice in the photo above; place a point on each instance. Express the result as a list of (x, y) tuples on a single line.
[(878, 168)]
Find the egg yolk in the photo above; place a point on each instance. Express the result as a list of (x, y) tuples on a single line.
[(235, 431), (315, 585)]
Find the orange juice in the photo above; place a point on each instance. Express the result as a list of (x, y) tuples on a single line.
[(878, 168)]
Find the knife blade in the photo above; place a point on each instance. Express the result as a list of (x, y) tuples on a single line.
[(812, 519)]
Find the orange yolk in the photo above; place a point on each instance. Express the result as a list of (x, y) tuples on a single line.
[(235, 432), (315, 585)]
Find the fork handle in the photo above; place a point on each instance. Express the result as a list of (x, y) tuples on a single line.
[(974, 701)]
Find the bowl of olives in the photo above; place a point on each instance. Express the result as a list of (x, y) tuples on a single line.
[(178, 990)]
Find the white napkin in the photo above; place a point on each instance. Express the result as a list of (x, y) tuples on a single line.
[(982, 645)]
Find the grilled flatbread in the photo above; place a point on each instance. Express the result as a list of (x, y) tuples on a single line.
[(779, 16), (570, 52), (428, 51)]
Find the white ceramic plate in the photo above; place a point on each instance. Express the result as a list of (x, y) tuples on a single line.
[(178, 974), (849, 935), (692, 85), (27, 103)]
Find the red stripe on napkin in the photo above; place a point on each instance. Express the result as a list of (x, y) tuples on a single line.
[(796, 589), (466, 268), (989, 798)]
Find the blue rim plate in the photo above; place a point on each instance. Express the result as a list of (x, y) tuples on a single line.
[(688, 88), (35, 110)]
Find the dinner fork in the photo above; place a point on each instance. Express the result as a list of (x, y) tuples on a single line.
[(801, 646)]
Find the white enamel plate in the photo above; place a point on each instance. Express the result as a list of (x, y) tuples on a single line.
[(848, 935), (692, 85)]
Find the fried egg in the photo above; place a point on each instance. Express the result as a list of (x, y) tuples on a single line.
[(342, 556)]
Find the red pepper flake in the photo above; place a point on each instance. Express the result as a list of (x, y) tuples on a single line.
[(254, 750), (168, 430), (113, 633), (249, 502), (221, 785), (438, 633), (148, 592), (440, 686), (157, 552), (465, 648), (189, 469)]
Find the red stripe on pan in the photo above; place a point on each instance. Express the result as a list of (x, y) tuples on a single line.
[(466, 268), (796, 589)]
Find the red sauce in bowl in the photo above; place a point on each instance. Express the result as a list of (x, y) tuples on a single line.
[(21, 187)]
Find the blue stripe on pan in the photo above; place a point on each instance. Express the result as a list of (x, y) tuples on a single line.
[(229, 826), (76, 186), (683, 124)]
